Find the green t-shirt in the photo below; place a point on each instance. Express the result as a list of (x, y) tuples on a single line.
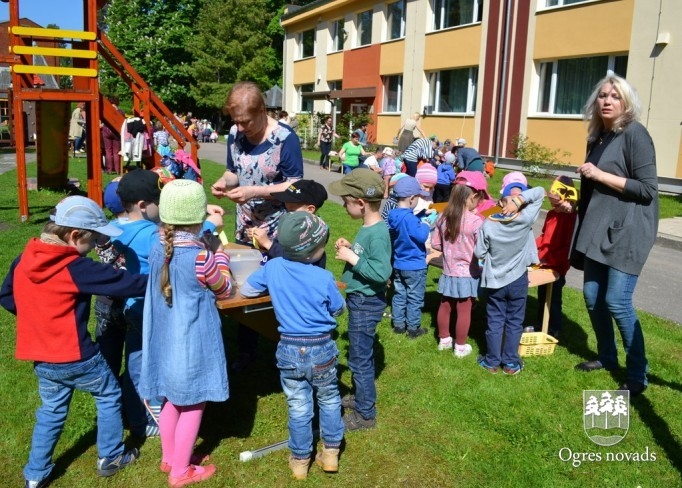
[(371, 273), (352, 154)]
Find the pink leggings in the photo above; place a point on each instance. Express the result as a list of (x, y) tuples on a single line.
[(179, 427), (462, 306)]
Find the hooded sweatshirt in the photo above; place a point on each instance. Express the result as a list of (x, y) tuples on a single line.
[(48, 288), (409, 235)]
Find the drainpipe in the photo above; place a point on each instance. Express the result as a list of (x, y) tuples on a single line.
[(503, 78)]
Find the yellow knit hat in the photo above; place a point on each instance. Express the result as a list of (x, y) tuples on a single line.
[(183, 202)]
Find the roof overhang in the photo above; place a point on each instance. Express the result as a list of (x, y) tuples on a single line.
[(319, 95), (368, 92)]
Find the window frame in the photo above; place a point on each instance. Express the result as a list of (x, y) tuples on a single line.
[(338, 34), (440, 14), (360, 32), (403, 16), (386, 80), (547, 78), (434, 82), (302, 44), (559, 3), (301, 91)]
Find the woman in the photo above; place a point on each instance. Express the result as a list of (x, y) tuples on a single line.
[(111, 141), (325, 138), (410, 131), (77, 127), (618, 222), (350, 154), (263, 156)]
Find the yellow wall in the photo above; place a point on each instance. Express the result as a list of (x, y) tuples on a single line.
[(561, 134), (602, 28), (392, 59), (387, 128), (335, 66), (304, 71), (459, 46)]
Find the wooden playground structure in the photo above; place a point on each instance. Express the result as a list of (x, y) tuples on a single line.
[(53, 106)]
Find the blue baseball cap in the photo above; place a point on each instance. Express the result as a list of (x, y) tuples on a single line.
[(111, 199), (506, 191), (82, 213), (408, 186)]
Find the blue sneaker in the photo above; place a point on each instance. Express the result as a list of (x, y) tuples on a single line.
[(513, 368), (109, 467), (483, 364)]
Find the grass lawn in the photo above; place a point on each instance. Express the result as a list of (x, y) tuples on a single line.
[(441, 421)]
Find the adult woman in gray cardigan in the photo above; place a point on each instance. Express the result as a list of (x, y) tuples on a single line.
[(618, 222)]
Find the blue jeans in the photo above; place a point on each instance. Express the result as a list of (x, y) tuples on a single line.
[(347, 169), (364, 313), (307, 366), (56, 384), (506, 311), (608, 297), (408, 297), (110, 332), (410, 167), (325, 147), (555, 306)]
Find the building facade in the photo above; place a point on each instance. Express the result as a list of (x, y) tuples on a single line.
[(487, 71)]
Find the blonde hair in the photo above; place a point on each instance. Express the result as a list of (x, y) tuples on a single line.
[(245, 95), (166, 288), (629, 99), (63, 232)]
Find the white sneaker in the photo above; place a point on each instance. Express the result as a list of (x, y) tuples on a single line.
[(445, 344), (461, 351)]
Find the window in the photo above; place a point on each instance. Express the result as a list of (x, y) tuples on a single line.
[(306, 42), (453, 90), (451, 13), (393, 93), (338, 35), (395, 20), (306, 103), (559, 3), (364, 27), (565, 84), (336, 85)]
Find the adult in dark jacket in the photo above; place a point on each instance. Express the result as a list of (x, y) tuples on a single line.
[(617, 226)]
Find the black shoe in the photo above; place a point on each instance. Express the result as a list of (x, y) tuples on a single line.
[(348, 402), (634, 387), (589, 366), (418, 332), (399, 330), (354, 421)]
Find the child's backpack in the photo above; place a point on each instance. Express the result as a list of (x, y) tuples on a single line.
[(489, 168), (182, 166)]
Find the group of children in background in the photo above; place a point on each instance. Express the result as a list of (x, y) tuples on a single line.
[(169, 331)]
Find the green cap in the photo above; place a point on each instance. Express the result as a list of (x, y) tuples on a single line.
[(300, 234), (359, 183)]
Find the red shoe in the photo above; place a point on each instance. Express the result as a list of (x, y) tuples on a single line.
[(196, 459), (191, 476)]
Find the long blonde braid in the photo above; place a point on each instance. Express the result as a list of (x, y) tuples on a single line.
[(166, 288)]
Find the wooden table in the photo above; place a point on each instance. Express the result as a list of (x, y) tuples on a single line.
[(255, 313)]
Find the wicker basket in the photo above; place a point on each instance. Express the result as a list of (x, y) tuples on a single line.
[(537, 344)]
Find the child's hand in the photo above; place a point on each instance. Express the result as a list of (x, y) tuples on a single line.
[(259, 236), (508, 206), (341, 242), (344, 253), (215, 216)]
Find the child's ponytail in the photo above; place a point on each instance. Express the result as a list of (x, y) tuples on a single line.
[(166, 288)]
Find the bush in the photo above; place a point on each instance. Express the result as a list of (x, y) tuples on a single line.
[(538, 160)]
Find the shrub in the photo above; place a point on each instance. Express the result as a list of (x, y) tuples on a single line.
[(538, 160)]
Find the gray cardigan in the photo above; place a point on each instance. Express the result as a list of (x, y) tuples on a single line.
[(508, 248), (619, 229)]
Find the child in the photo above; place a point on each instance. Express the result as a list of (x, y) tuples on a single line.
[(445, 179), (387, 168), (427, 176), (53, 331), (110, 330), (306, 353), (301, 195), (507, 248), (392, 201), (161, 143), (408, 235), (183, 356), (554, 244), (485, 202), (456, 235), (367, 270)]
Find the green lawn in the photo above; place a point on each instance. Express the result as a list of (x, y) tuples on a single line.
[(441, 421)]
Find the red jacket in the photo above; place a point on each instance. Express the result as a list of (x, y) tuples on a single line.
[(49, 288), (554, 243)]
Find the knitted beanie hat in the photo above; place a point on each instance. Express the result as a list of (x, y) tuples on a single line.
[(183, 202), (427, 174)]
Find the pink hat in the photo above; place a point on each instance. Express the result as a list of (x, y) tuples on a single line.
[(473, 179), (514, 177), (427, 174)]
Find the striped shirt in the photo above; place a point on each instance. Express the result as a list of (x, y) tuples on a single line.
[(213, 269), (419, 149)]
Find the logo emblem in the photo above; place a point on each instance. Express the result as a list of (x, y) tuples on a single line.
[(606, 415)]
